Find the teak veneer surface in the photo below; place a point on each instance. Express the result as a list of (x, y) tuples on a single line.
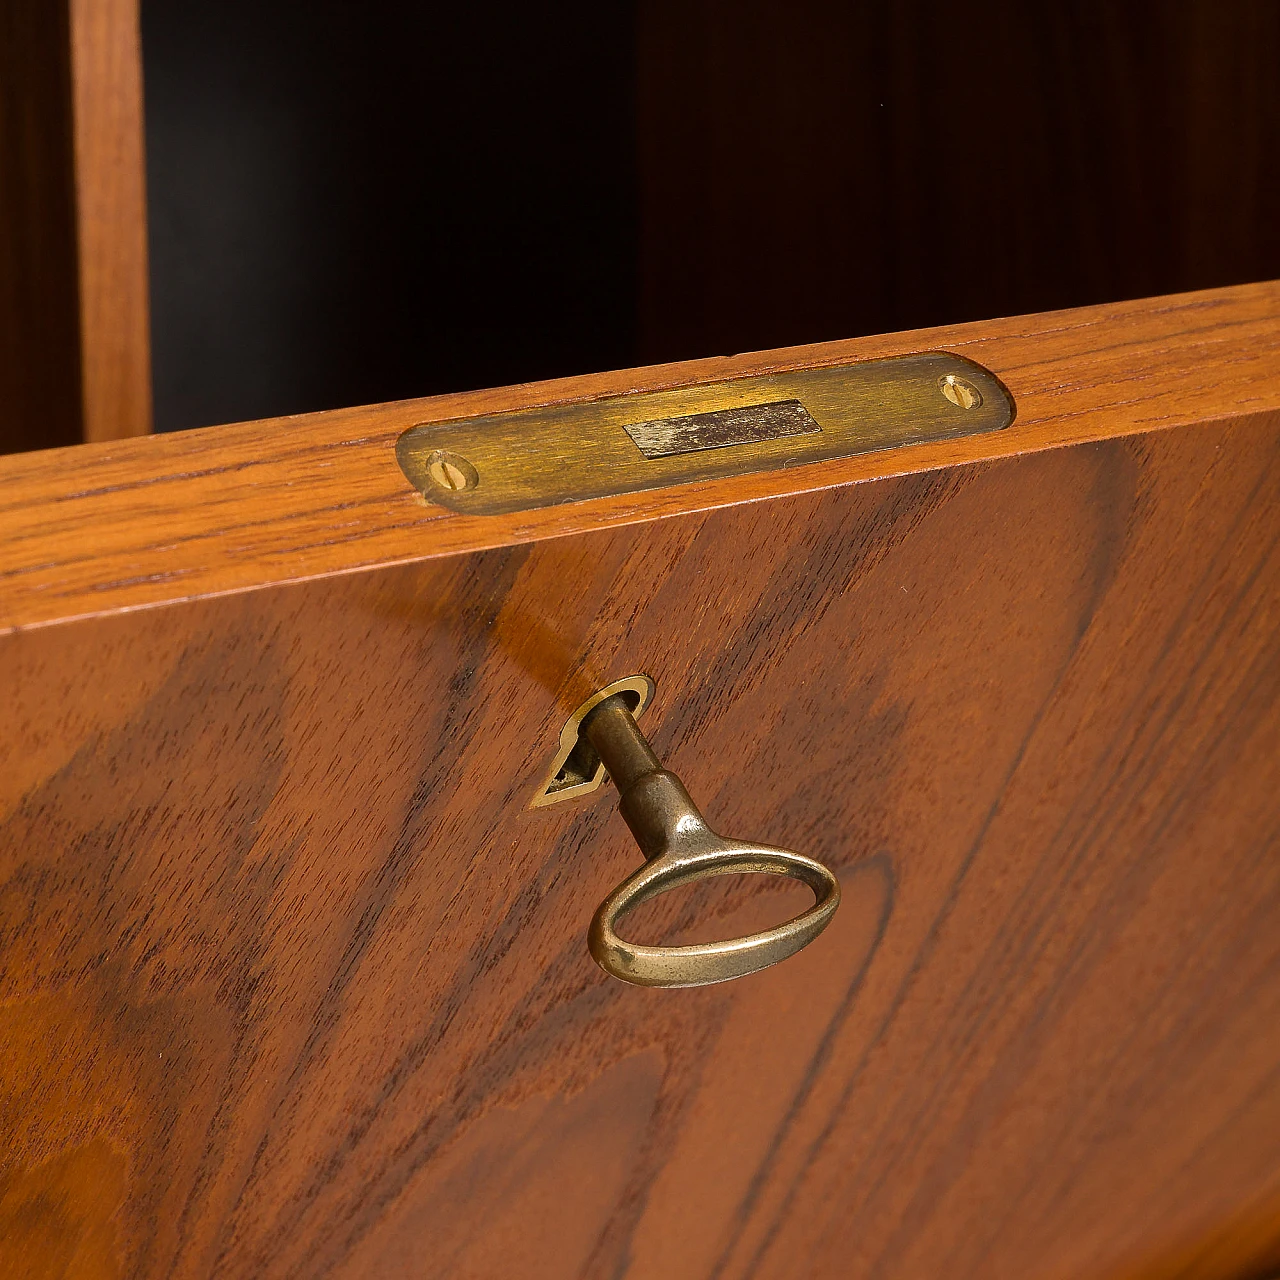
[(293, 982)]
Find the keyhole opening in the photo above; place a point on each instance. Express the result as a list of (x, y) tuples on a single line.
[(583, 762), (576, 769)]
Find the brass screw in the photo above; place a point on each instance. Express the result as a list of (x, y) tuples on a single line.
[(448, 474), (451, 471), (959, 392)]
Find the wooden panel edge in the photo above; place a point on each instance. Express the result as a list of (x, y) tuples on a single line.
[(105, 527)]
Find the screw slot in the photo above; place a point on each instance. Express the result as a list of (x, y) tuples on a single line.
[(960, 392), (451, 471)]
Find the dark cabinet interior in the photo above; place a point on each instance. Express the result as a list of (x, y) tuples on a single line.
[(350, 203)]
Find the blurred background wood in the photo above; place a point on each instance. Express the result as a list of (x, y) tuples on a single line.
[(111, 219), (74, 348), (393, 200), (355, 203), (821, 168)]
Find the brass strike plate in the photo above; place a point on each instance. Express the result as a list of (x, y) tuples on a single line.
[(624, 444)]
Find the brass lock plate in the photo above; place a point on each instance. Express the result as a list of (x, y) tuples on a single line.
[(624, 444)]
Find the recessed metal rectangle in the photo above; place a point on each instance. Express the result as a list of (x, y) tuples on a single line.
[(539, 457), (668, 437)]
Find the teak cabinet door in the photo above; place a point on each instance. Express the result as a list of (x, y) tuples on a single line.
[(294, 980)]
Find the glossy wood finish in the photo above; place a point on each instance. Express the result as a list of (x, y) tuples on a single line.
[(74, 341), (170, 517), (292, 982)]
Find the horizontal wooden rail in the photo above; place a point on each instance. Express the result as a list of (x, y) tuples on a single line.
[(123, 524)]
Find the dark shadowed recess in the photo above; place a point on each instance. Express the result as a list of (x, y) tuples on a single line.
[(821, 169), (361, 202), (39, 338), (355, 202)]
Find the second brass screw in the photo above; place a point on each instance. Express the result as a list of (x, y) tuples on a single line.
[(451, 471), (961, 393)]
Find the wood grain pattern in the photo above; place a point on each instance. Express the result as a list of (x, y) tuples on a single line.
[(293, 983), (74, 340), (147, 521), (111, 219)]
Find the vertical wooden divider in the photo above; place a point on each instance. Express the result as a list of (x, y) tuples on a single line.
[(75, 361), (111, 218)]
